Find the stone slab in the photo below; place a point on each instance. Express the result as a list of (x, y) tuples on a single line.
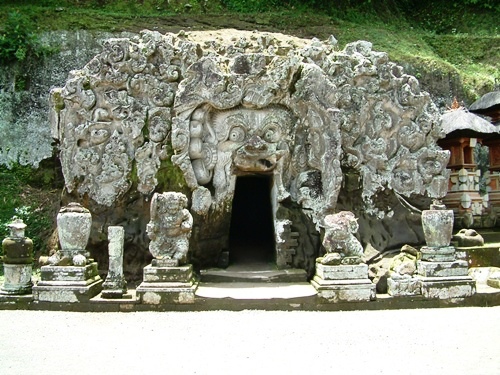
[(67, 293), (342, 272), (182, 274), (398, 287), (166, 293), (440, 254), (68, 273), (448, 287), (333, 291), (442, 269)]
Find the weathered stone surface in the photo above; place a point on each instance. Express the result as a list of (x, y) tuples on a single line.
[(333, 291), (17, 279), (442, 269), (398, 285), (164, 285), (448, 287), (115, 285), (340, 230), (182, 274), (437, 223), (71, 274), (73, 227), (247, 103), (68, 283), (66, 293), (170, 227), (17, 260), (442, 254), (342, 272), (468, 238)]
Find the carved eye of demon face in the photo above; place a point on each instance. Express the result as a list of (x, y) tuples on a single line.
[(237, 134), (272, 132)]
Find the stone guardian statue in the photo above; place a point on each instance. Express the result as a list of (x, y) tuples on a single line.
[(169, 228)]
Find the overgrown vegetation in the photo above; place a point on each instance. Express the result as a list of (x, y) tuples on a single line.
[(32, 195)]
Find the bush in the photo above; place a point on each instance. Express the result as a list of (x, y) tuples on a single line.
[(18, 38)]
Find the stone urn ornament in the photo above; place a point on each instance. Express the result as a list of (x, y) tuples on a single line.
[(437, 223), (17, 260), (73, 227)]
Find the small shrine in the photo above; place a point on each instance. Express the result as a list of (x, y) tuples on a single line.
[(464, 132)]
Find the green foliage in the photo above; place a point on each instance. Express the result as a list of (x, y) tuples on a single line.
[(29, 194), (18, 38)]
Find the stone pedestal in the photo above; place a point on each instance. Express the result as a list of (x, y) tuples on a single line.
[(17, 279), (443, 276), (167, 284), (68, 283), (343, 283)]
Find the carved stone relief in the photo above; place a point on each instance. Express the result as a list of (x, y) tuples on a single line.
[(224, 104)]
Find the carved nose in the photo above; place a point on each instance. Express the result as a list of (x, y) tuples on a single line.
[(256, 144)]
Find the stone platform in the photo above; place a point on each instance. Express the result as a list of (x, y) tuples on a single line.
[(343, 283), (165, 285), (68, 283)]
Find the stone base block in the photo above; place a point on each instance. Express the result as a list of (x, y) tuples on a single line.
[(17, 279), (403, 286), (166, 285), (438, 254), (442, 269), (448, 287), (69, 275), (166, 293), (342, 272), (64, 292), (68, 283), (353, 290), (181, 274)]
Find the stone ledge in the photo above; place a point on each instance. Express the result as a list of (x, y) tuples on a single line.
[(442, 269), (342, 272), (168, 293), (330, 291), (154, 274), (68, 273), (67, 293), (448, 287)]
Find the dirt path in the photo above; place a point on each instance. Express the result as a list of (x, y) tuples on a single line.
[(431, 341)]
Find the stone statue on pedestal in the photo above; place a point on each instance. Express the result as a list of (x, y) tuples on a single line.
[(169, 228), (340, 243)]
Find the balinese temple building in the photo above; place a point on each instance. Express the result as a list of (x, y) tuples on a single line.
[(473, 207)]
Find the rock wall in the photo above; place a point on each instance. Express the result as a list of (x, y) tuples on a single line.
[(24, 92)]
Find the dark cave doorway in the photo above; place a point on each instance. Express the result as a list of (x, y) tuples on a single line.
[(251, 236)]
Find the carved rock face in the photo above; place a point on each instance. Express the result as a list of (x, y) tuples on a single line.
[(233, 103)]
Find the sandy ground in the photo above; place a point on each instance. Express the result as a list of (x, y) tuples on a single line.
[(429, 341)]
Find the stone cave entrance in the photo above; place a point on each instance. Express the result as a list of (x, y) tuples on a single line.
[(251, 236)]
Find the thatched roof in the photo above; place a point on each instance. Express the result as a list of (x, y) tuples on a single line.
[(486, 102), (463, 123)]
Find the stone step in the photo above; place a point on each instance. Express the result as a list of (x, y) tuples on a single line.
[(255, 290), (266, 273)]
